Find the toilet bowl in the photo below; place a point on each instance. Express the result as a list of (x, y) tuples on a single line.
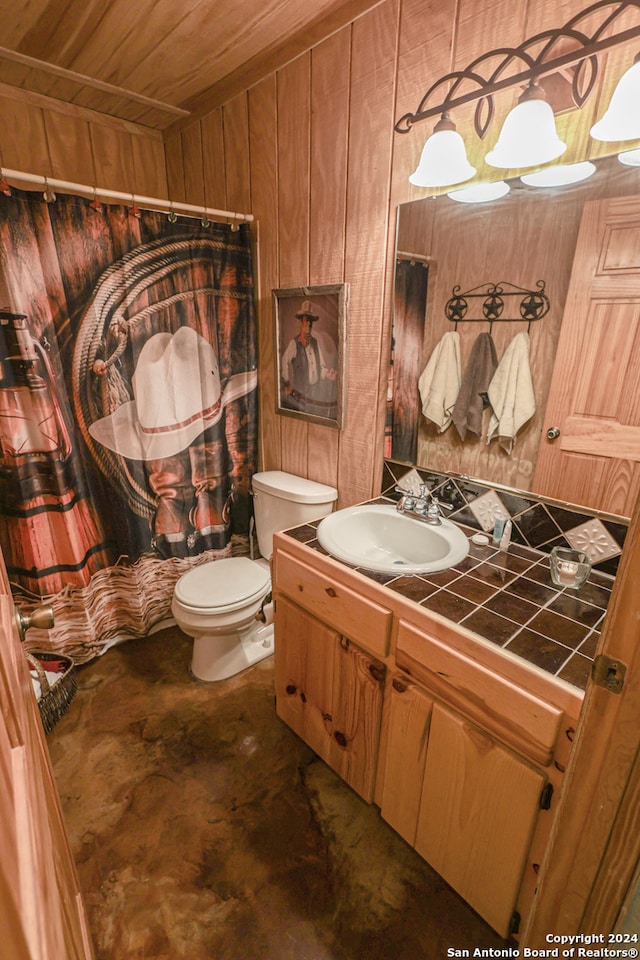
[(224, 604), (217, 604)]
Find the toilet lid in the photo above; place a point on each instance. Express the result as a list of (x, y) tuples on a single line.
[(222, 583)]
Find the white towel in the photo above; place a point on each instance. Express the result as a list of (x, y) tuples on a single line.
[(440, 380), (511, 393)]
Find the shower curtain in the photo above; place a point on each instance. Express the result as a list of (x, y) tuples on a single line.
[(127, 408)]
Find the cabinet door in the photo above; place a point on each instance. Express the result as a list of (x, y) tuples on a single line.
[(330, 693), (478, 811), (409, 717)]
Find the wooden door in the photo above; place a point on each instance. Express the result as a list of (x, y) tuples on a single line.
[(478, 811), (41, 911), (330, 693), (594, 398), (406, 753)]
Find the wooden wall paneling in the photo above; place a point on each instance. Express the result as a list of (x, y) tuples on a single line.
[(330, 69), (264, 206), (293, 218), (24, 140), (425, 36), (175, 168), (373, 69), (192, 161), (43, 137), (213, 160), (149, 169), (236, 152), (69, 148), (293, 85), (112, 158)]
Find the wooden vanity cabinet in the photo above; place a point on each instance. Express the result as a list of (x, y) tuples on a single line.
[(329, 692), (459, 745), (467, 804)]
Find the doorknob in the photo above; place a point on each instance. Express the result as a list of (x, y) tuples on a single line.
[(553, 433), (40, 617)]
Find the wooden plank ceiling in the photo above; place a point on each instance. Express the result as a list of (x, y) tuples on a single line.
[(158, 62)]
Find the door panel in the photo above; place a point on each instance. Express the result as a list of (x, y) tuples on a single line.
[(478, 811), (41, 912), (330, 693), (409, 717), (594, 398)]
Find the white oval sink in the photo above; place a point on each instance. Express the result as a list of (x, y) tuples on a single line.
[(378, 537)]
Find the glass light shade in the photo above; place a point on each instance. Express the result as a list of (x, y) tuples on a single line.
[(443, 161), (560, 175), (528, 137), (621, 120), (480, 192), (630, 158)]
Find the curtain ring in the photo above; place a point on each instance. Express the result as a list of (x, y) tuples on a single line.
[(171, 216), (134, 209), (234, 226), (48, 193), (95, 203), (4, 185), (205, 219)]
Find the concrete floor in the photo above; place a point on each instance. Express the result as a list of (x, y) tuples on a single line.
[(203, 828)]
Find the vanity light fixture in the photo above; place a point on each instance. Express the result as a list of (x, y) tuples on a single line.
[(621, 120), (528, 137), (480, 192), (560, 174), (630, 158), (444, 158)]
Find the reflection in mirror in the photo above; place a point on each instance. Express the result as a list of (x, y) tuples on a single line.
[(529, 235)]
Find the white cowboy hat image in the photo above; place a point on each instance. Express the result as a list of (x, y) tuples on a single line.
[(177, 395)]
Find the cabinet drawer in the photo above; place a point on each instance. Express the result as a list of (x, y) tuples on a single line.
[(361, 620), (517, 717)]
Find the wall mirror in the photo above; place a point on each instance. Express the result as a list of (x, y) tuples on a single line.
[(529, 235)]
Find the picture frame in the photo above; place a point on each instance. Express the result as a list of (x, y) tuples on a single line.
[(310, 376)]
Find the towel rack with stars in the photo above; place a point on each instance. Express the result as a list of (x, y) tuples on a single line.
[(532, 305)]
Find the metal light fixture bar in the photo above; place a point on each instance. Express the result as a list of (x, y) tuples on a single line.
[(535, 65)]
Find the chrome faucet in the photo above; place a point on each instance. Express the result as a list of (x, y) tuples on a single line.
[(423, 507)]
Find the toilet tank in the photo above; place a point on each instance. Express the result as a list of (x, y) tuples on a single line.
[(282, 500)]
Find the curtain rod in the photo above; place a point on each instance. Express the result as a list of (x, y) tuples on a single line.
[(411, 257), (154, 204)]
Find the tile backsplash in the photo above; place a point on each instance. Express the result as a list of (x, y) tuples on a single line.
[(542, 524)]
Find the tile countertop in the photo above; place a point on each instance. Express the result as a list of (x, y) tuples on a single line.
[(507, 597)]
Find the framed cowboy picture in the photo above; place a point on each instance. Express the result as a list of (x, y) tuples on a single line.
[(310, 334)]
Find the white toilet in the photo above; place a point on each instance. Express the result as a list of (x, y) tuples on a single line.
[(218, 603)]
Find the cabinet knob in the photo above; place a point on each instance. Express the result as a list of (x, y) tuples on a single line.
[(377, 671)]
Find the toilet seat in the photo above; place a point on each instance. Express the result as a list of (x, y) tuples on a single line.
[(222, 585)]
